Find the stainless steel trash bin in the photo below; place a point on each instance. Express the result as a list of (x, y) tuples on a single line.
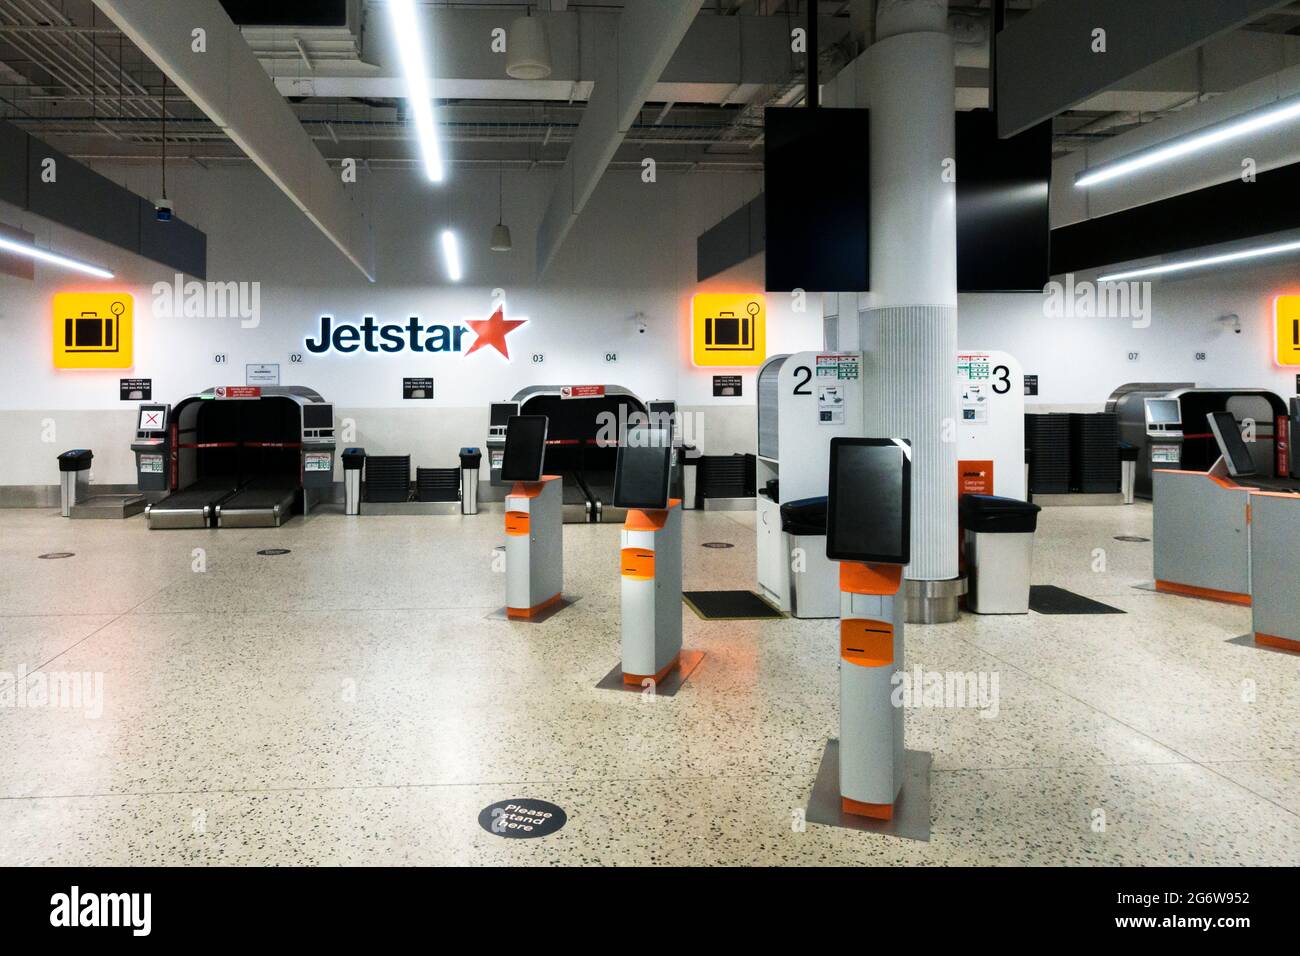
[(471, 459), (999, 547), (690, 472), (1128, 462), (354, 463), (74, 478)]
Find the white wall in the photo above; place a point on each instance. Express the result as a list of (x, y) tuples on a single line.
[(633, 250), (1081, 361)]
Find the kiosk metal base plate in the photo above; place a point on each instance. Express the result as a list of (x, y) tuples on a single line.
[(666, 687), (911, 814), (543, 615)]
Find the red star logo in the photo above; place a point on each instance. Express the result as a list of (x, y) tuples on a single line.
[(493, 331)]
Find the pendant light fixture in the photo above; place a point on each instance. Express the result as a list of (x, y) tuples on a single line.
[(501, 232), (528, 52)]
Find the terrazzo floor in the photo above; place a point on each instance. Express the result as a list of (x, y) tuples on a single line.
[(352, 702)]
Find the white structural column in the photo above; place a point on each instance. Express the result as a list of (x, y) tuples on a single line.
[(913, 326)]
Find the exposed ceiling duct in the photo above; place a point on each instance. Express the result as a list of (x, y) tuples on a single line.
[(647, 34), (227, 83)]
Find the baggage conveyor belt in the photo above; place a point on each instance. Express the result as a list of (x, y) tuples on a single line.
[(261, 504), (191, 507)]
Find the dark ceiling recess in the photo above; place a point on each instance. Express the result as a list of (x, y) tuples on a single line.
[(1229, 212), (287, 13)]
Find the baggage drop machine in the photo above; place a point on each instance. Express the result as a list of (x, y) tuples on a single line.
[(235, 456)]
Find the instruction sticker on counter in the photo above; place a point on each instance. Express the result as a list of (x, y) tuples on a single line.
[(974, 404), (317, 461), (839, 365), (151, 464), (830, 404)]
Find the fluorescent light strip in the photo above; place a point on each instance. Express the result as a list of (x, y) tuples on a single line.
[(1194, 143), (1246, 254), (410, 48), (33, 252), (451, 255)]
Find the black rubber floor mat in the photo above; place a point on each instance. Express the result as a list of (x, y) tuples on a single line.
[(1049, 599), (729, 605)]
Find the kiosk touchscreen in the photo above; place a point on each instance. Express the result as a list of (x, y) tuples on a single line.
[(525, 450), (643, 475), (869, 507), (650, 556), (1235, 453), (1164, 417)]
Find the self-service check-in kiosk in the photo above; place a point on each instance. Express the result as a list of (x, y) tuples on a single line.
[(1164, 433), (152, 448), (534, 521), (650, 556), (868, 532)]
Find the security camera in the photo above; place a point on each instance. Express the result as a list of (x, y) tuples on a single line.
[(1231, 321), (162, 210)]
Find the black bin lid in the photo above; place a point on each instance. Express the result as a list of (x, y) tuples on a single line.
[(470, 457), (805, 516), (76, 459), (990, 514), (353, 458)]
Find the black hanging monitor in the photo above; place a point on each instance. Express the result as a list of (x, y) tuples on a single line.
[(1235, 453), (525, 451), (869, 508), (643, 475)]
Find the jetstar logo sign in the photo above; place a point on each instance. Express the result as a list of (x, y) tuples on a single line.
[(414, 336)]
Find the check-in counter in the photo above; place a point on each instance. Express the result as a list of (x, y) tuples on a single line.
[(1202, 536), (1274, 549)]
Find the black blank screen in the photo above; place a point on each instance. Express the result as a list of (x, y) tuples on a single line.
[(1232, 446), (525, 448), (644, 470), (1003, 226), (502, 411), (816, 197), (868, 515), (317, 416)]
